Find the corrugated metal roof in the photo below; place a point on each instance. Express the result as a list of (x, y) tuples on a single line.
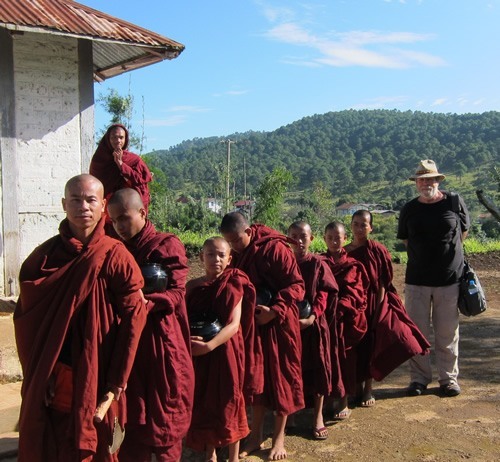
[(118, 46)]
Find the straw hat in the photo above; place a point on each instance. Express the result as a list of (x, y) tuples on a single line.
[(427, 169)]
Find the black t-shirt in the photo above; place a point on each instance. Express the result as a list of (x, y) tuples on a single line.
[(433, 231)]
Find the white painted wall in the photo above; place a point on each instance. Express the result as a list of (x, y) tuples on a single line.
[(47, 131)]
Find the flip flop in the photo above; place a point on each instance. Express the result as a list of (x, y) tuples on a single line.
[(370, 402), (344, 414), (320, 433)]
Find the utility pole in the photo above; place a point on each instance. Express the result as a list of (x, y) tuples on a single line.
[(228, 142)]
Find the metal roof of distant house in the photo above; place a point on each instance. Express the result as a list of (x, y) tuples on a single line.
[(118, 46)]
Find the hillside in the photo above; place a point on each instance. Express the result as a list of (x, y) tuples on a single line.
[(359, 155)]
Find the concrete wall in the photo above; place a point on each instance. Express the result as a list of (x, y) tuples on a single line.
[(53, 137)]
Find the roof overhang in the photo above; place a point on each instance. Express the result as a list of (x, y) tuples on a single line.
[(112, 57)]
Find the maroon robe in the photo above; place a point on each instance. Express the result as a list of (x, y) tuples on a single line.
[(79, 304), (219, 416), (133, 173), (269, 262), (350, 318), (392, 336), (161, 384)]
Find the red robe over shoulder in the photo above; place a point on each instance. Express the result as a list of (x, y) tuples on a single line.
[(133, 173), (392, 336), (86, 296), (219, 416), (161, 384), (350, 319), (320, 369), (269, 262)]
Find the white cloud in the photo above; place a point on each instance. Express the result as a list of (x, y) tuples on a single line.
[(355, 48), (439, 102), (166, 122)]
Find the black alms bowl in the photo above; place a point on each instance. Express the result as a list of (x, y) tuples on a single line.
[(263, 296), (305, 309), (204, 325), (155, 278)]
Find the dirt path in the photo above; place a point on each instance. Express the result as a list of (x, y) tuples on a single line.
[(426, 428)]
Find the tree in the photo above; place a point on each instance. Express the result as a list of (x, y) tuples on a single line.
[(270, 197), (121, 110)]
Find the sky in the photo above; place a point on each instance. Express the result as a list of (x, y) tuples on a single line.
[(261, 64)]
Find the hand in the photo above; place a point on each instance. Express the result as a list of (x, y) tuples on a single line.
[(264, 314), (118, 157), (117, 391), (305, 323), (199, 347)]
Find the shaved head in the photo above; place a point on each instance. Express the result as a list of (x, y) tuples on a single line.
[(215, 241), (128, 198), (233, 222), (77, 180), (300, 225), (335, 225)]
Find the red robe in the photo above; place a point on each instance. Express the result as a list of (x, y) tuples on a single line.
[(219, 416), (80, 302), (161, 384), (350, 319), (392, 336), (133, 173), (317, 359), (269, 262)]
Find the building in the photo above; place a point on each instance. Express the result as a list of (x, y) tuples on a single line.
[(51, 53)]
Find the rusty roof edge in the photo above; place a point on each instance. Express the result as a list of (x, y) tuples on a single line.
[(179, 47)]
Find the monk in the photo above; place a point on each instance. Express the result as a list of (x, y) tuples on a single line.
[(161, 384), (118, 168), (392, 337), (321, 293), (264, 255), (78, 323), (219, 415), (350, 318)]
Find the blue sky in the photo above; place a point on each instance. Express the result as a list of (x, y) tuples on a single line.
[(261, 64)]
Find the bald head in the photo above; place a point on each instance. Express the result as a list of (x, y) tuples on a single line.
[(78, 180), (335, 226), (127, 212), (300, 226), (127, 198), (215, 255), (233, 222)]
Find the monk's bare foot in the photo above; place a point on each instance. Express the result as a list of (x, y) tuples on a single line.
[(251, 445), (211, 455), (278, 451)]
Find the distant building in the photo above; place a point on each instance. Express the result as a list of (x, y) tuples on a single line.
[(245, 206), (213, 204), (348, 209)]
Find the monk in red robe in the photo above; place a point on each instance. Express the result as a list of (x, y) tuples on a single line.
[(161, 384), (392, 337), (321, 293), (78, 322), (219, 415), (118, 168), (264, 255), (350, 318)]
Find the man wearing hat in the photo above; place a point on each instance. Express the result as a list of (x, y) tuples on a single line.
[(433, 229)]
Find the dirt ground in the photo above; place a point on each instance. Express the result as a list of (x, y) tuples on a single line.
[(426, 428)]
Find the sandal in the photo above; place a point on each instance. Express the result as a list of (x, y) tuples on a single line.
[(320, 433), (344, 414)]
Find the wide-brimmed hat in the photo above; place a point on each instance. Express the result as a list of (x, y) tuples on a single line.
[(427, 169)]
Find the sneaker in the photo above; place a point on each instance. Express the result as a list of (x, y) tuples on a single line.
[(415, 389), (450, 389)]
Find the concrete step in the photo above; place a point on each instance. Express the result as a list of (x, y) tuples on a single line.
[(8, 446)]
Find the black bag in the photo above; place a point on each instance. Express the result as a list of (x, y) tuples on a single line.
[(471, 299)]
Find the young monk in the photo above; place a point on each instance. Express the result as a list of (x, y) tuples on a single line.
[(264, 255), (118, 168), (219, 416), (78, 322), (392, 337), (321, 292), (161, 385), (350, 318)]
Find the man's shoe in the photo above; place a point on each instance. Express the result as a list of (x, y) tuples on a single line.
[(450, 389), (415, 389)]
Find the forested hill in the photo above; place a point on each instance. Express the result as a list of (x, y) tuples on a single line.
[(342, 150)]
